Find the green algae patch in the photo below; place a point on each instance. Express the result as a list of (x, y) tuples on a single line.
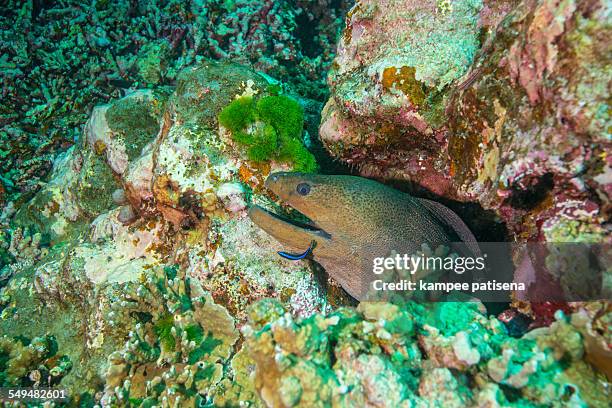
[(270, 128), (163, 329), (283, 113)]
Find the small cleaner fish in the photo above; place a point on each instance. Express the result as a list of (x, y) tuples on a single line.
[(354, 220)]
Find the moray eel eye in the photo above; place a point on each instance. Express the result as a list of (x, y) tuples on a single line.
[(303, 189)]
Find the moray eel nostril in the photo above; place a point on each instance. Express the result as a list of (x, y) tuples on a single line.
[(355, 220)]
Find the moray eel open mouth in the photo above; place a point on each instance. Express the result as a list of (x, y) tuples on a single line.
[(283, 227)]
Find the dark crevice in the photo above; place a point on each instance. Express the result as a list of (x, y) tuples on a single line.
[(530, 193), (306, 32), (512, 394)]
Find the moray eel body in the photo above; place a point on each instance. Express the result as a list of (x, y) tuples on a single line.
[(355, 220)]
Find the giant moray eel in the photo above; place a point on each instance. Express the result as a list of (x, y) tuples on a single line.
[(354, 220)]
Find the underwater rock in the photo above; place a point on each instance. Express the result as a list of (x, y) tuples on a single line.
[(394, 64), (516, 120), (80, 188), (119, 196), (126, 214), (167, 161)]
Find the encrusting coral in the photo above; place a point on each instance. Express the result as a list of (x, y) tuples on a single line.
[(446, 354), (176, 353), (31, 363)]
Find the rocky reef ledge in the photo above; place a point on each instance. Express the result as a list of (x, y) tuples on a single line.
[(504, 103), (146, 240)]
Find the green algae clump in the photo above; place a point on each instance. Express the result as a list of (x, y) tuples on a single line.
[(238, 114), (270, 128)]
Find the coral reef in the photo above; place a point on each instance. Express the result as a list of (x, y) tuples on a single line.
[(176, 353), (447, 354), (136, 134), (140, 241)]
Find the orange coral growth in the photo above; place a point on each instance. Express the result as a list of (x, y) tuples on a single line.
[(254, 174), (166, 191), (99, 147), (405, 81)]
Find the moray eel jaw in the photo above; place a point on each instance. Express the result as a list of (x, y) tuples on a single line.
[(292, 234)]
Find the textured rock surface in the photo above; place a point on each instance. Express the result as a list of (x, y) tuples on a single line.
[(517, 121), (183, 186)]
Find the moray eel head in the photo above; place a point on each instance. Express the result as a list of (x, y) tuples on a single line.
[(336, 204), (310, 195), (332, 203)]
